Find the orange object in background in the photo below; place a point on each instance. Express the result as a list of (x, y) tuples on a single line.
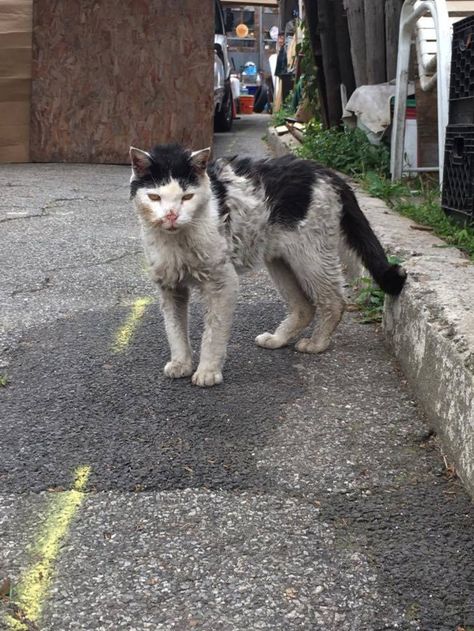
[(246, 104), (242, 30)]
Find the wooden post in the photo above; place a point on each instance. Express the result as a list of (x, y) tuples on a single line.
[(311, 17), (392, 27), (344, 47), (327, 31), (375, 41), (356, 24)]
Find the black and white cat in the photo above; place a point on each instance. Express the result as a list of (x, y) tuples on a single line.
[(203, 224)]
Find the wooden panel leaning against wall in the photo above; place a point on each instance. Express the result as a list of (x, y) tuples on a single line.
[(15, 79), (104, 79)]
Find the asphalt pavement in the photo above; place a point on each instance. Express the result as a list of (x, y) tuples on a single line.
[(304, 493)]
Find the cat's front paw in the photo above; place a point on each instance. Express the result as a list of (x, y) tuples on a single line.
[(269, 340), (205, 377), (175, 369)]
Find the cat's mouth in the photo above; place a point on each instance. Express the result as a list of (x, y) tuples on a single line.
[(168, 227)]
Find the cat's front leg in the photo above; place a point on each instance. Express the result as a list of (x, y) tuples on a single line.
[(220, 297), (174, 305)]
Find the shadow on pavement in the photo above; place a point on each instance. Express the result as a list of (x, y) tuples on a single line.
[(71, 402)]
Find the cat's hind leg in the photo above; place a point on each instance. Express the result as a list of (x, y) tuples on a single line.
[(301, 310), (321, 278)]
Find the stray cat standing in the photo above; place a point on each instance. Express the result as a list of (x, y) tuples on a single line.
[(204, 223)]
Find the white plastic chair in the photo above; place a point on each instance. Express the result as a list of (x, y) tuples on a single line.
[(431, 22)]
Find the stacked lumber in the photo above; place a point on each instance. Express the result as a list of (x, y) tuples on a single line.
[(292, 127)]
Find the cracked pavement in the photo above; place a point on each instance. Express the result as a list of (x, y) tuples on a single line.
[(306, 492)]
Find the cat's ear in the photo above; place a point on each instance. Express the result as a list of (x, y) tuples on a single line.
[(200, 159), (141, 162)]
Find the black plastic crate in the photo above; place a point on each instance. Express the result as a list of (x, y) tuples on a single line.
[(462, 61), (461, 111), (458, 176)]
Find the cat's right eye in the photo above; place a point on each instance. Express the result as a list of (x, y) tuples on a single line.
[(154, 197)]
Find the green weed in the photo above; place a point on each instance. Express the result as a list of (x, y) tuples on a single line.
[(4, 380), (419, 201), (344, 150), (284, 112), (369, 300), (379, 186)]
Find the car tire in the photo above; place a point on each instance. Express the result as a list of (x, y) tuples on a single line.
[(223, 118)]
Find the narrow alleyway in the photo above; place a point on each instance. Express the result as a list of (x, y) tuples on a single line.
[(305, 493)]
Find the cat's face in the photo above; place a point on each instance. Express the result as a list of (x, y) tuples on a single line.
[(169, 185)]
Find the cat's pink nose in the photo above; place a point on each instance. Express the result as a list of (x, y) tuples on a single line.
[(172, 216)]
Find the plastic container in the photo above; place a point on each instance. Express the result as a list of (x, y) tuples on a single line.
[(458, 177), (462, 60), (410, 159), (246, 104), (461, 91)]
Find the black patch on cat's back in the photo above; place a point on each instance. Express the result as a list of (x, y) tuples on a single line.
[(218, 188), (288, 183), (168, 162)]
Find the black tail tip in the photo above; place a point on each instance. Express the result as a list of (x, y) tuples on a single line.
[(393, 280)]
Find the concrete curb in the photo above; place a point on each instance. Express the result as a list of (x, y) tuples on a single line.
[(430, 327)]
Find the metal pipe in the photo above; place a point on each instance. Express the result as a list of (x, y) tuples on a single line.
[(419, 169)]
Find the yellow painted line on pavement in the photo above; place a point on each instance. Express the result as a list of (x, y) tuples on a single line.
[(127, 330), (34, 585)]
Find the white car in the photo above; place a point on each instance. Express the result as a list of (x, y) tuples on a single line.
[(223, 111)]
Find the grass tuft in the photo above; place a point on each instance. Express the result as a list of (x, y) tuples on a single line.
[(369, 300), (344, 150)]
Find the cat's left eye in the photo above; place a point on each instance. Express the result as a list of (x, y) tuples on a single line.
[(188, 197), (154, 197)]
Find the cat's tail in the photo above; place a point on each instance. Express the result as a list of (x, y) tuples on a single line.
[(361, 238)]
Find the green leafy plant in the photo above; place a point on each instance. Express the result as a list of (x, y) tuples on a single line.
[(3, 380), (346, 150), (285, 111), (369, 300), (308, 69), (419, 200), (380, 186)]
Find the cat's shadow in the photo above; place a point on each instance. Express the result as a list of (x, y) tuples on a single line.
[(136, 429)]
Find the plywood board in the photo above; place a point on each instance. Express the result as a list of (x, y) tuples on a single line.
[(15, 79), (106, 77)]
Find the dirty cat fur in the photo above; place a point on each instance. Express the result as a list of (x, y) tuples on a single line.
[(203, 224)]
